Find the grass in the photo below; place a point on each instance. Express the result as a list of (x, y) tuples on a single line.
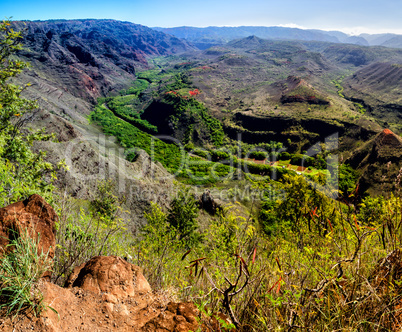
[(20, 271)]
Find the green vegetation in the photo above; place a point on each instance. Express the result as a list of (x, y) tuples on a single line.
[(22, 172), (20, 271), (184, 106), (296, 255), (347, 179), (105, 203), (88, 229), (188, 111), (305, 252), (149, 75), (360, 108), (124, 108), (182, 216), (295, 259), (136, 88), (132, 137), (338, 85)]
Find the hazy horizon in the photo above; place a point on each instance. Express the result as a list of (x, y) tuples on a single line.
[(349, 16)]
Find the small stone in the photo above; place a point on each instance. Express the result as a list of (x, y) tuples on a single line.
[(124, 311), (109, 298), (108, 307)]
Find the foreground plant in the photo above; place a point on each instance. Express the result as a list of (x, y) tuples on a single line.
[(87, 231), (20, 272), (321, 266), (23, 171)]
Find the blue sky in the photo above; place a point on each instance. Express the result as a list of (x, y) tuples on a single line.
[(352, 16)]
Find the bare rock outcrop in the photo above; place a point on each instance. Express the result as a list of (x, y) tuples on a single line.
[(208, 203)]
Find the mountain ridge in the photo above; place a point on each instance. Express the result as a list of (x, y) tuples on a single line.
[(213, 35)]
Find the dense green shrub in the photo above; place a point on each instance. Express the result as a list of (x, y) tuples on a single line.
[(184, 106), (105, 202), (126, 108), (306, 253), (182, 215), (284, 156), (347, 179), (218, 155), (259, 155), (170, 155)]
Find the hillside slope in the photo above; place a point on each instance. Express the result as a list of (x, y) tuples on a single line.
[(92, 58), (379, 162), (265, 90), (378, 86)]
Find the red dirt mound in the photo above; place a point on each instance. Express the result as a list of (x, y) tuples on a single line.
[(113, 275), (387, 137), (33, 214)]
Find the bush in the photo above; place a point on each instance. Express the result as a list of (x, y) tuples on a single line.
[(81, 235), (347, 179), (219, 155), (158, 249), (309, 254), (259, 155), (284, 156), (182, 216), (106, 203)]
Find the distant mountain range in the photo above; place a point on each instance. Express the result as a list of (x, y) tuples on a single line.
[(211, 36)]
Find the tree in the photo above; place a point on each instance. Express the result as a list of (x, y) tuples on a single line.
[(347, 179), (182, 216), (12, 105), (106, 203), (22, 172)]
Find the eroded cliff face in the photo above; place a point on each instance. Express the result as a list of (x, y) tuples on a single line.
[(380, 163), (91, 58)]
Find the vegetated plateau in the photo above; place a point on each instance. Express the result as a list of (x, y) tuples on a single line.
[(257, 178)]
